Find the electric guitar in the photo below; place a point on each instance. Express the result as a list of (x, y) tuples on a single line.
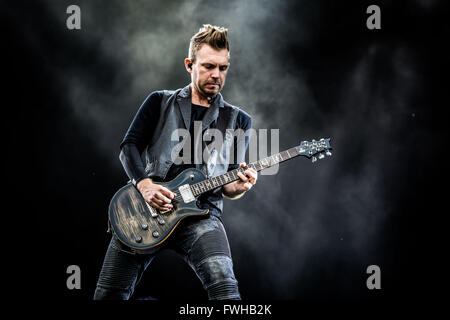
[(142, 227)]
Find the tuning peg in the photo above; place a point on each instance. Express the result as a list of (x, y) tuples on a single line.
[(321, 156), (328, 153), (314, 159)]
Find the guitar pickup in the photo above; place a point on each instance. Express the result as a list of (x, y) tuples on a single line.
[(186, 193)]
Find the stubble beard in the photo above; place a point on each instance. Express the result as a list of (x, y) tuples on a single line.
[(208, 93)]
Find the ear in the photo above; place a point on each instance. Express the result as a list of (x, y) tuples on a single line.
[(188, 64)]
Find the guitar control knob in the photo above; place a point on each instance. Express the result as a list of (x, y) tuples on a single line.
[(138, 239), (155, 234), (144, 226), (161, 221)]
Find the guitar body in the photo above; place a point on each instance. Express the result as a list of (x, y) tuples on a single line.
[(142, 227)]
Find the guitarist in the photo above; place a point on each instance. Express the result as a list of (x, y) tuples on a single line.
[(202, 241)]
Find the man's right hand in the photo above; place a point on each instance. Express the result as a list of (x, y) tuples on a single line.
[(156, 195)]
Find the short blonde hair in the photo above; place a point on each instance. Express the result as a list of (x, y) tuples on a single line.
[(214, 36)]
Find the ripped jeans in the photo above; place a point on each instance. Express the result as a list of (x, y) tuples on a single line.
[(202, 243)]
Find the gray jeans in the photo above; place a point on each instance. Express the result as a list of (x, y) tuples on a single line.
[(203, 244)]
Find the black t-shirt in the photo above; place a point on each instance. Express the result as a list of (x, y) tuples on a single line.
[(197, 114)]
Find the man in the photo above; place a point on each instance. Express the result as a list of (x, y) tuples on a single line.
[(201, 241)]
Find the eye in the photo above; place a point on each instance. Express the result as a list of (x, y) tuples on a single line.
[(223, 68)]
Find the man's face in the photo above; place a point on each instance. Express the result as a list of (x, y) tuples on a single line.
[(210, 70)]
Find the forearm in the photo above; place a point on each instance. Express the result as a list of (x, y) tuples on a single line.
[(132, 163), (230, 191)]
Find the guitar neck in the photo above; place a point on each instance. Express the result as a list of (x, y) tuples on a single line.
[(232, 175)]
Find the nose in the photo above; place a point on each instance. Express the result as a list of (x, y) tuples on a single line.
[(215, 73)]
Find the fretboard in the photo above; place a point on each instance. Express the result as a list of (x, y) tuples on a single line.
[(232, 175)]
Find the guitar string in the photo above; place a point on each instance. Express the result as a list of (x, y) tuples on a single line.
[(261, 167), (179, 197), (253, 165)]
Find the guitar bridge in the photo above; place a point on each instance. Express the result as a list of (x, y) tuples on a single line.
[(186, 193), (152, 210), (166, 212)]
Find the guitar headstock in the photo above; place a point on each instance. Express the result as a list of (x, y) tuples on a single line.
[(315, 149)]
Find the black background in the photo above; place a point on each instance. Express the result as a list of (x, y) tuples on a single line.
[(308, 232)]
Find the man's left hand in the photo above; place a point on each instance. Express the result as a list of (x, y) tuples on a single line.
[(247, 181), (236, 189)]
